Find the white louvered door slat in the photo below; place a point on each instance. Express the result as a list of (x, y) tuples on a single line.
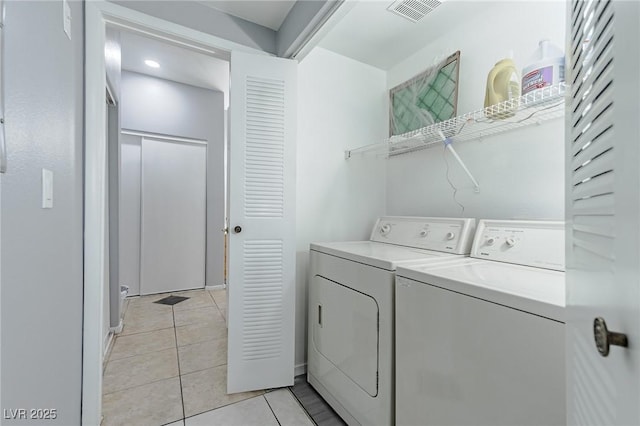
[(262, 203), (603, 210)]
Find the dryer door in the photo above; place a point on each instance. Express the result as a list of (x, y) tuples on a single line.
[(345, 331)]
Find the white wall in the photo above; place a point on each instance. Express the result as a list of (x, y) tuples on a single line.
[(521, 173), (165, 107), (41, 260), (130, 163), (341, 105), (152, 104)]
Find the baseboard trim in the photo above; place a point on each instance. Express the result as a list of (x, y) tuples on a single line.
[(300, 369), (215, 287), (108, 340), (118, 328)]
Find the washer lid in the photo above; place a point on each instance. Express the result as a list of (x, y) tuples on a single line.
[(534, 290), (380, 255)]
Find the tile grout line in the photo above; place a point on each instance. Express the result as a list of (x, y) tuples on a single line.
[(139, 386), (132, 308), (142, 332), (142, 353), (202, 369), (223, 406), (179, 371), (216, 303), (111, 361), (271, 408), (304, 410), (290, 388)]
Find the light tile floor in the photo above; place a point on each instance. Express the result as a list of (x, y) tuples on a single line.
[(168, 366)]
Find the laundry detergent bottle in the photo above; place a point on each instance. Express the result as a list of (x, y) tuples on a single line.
[(545, 69), (503, 84)]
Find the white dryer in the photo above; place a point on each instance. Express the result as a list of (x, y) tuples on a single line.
[(351, 310), (480, 340)]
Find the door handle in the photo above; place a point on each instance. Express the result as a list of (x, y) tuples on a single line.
[(237, 229), (605, 338)]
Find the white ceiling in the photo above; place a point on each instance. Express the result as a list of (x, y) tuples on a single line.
[(268, 13), (367, 33), (371, 34), (176, 63)]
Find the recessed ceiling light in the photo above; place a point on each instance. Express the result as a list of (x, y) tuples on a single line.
[(152, 64)]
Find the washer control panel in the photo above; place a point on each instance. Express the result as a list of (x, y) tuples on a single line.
[(530, 243), (451, 235)]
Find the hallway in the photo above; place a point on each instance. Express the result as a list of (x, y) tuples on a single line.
[(169, 363)]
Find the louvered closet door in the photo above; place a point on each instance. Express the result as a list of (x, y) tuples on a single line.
[(262, 204), (603, 214)]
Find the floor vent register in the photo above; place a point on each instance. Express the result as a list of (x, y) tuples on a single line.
[(171, 300)]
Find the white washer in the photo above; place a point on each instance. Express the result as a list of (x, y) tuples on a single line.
[(480, 340), (351, 310)]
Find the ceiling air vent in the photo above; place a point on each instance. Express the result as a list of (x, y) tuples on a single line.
[(413, 10)]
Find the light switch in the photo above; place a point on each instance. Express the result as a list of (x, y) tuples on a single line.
[(66, 18), (47, 189)]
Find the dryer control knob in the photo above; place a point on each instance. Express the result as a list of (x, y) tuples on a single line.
[(490, 241), (510, 242), (385, 229), (450, 236)]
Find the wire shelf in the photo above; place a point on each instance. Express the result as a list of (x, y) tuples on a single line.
[(533, 108)]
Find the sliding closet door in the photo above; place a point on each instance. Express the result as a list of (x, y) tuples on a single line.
[(173, 216)]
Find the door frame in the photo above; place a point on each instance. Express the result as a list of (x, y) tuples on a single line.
[(99, 14)]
